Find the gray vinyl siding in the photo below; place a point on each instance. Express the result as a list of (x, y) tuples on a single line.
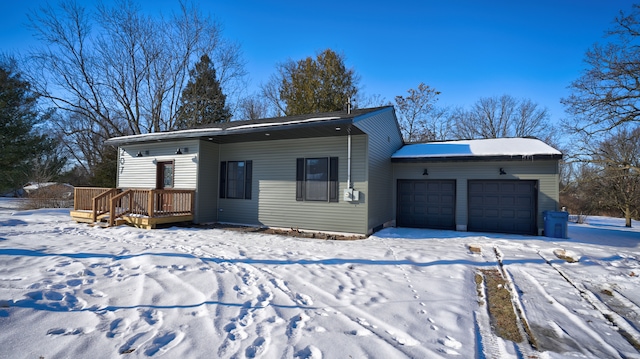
[(140, 172), (273, 198), (207, 191), (384, 139), (544, 171)]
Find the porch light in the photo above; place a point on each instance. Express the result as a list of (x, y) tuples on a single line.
[(425, 172), (338, 128), (502, 172), (139, 154)]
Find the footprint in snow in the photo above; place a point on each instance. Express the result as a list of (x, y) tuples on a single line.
[(403, 339), (164, 342), (359, 332), (296, 323), (62, 331), (151, 316), (451, 343), (310, 352), (303, 299), (118, 327), (234, 332), (129, 347), (94, 293), (256, 348), (75, 282)]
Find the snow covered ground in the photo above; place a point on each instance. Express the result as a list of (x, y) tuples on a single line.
[(68, 290)]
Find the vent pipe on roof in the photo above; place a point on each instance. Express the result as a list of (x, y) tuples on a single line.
[(349, 105)]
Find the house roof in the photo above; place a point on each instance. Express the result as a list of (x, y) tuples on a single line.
[(34, 186), (298, 126), (474, 150)]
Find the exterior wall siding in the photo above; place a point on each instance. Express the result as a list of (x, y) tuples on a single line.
[(544, 171), (207, 190), (273, 198), (140, 172), (384, 139)]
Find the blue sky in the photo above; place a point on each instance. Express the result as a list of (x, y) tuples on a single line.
[(466, 49)]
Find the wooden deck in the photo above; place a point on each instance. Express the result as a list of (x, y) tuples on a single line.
[(144, 208)]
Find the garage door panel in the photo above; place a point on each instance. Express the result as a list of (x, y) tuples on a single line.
[(490, 200), (426, 203), (524, 201), (507, 187), (491, 187), (507, 201), (502, 206), (448, 187), (491, 213), (433, 199), (524, 214)]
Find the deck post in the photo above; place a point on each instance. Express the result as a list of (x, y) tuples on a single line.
[(151, 200), (112, 211)]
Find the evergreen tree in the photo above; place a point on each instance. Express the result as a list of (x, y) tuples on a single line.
[(202, 99), (22, 149), (312, 85)]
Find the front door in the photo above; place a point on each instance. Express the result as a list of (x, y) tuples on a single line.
[(164, 180)]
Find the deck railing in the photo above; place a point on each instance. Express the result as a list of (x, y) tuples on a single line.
[(151, 203), (101, 202), (83, 197)]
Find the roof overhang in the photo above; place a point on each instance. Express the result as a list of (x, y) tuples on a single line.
[(475, 158), (322, 127), (478, 150)]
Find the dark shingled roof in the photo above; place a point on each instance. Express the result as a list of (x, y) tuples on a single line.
[(308, 116), (297, 126)]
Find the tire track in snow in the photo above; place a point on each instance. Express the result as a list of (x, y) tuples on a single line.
[(489, 345), (620, 304), (556, 325), (626, 330)]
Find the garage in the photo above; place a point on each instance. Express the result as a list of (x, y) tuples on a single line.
[(503, 206), (426, 204)]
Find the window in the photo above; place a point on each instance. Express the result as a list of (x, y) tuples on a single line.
[(317, 179), (235, 179)]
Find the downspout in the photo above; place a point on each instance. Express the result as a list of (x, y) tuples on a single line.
[(349, 185)]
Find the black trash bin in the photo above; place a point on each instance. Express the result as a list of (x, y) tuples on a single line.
[(555, 224)]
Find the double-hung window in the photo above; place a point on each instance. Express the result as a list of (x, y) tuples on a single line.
[(235, 179), (317, 179)]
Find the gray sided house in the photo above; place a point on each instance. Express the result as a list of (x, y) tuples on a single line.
[(331, 172), (319, 172)]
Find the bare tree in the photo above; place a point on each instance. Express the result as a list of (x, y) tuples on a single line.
[(115, 71), (363, 100), (618, 162), (504, 116), (607, 94), (416, 113), (252, 108), (608, 181)]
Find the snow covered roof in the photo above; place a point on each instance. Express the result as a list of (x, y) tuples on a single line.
[(32, 186), (250, 126), (484, 149)]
